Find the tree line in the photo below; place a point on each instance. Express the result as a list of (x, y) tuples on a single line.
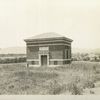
[(12, 58)]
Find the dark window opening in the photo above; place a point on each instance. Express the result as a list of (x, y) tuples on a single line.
[(55, 62), (65, 62), (67, 54), (33, 62)]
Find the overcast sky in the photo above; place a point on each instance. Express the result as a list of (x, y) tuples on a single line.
[(76, 19)]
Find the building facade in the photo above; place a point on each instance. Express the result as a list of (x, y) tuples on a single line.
[(48, 49)]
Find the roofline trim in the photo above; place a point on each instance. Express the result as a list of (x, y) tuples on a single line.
[(68, 39)]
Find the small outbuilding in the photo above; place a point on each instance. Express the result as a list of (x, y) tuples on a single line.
[(48, 49)]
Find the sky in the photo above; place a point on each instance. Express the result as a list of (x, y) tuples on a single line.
[(75, 19)]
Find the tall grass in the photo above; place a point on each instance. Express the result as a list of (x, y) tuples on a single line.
[(73, 78)]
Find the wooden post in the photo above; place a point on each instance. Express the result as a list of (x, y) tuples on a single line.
[(27, 68)]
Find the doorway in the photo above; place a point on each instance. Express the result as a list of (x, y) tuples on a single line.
[(43, 60)]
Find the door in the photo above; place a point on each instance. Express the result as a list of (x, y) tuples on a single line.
[(43, 60)]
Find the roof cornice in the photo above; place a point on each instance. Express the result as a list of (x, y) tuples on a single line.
[(49, 39)]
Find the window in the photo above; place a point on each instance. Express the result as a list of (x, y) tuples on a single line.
[(33, 62), (55, 62), (65, 62), (66, 54)]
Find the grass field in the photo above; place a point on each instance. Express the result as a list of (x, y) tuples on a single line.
[(71, 79)]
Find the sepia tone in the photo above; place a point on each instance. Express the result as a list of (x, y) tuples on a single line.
[(61, 55), (48, 49)]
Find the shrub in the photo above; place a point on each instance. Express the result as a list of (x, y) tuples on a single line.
[(74, 89), (25, 87), (11, 86), (89, 84), (56, 88), (92, 92), (12, 60)]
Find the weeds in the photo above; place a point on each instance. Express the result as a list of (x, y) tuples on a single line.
[(56, 88), (74, 89), (74, 79)]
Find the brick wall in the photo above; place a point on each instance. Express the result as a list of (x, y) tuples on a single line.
[(56, 52), (32, 52)]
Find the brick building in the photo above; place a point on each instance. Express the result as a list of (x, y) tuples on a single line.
[(48, 49)]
